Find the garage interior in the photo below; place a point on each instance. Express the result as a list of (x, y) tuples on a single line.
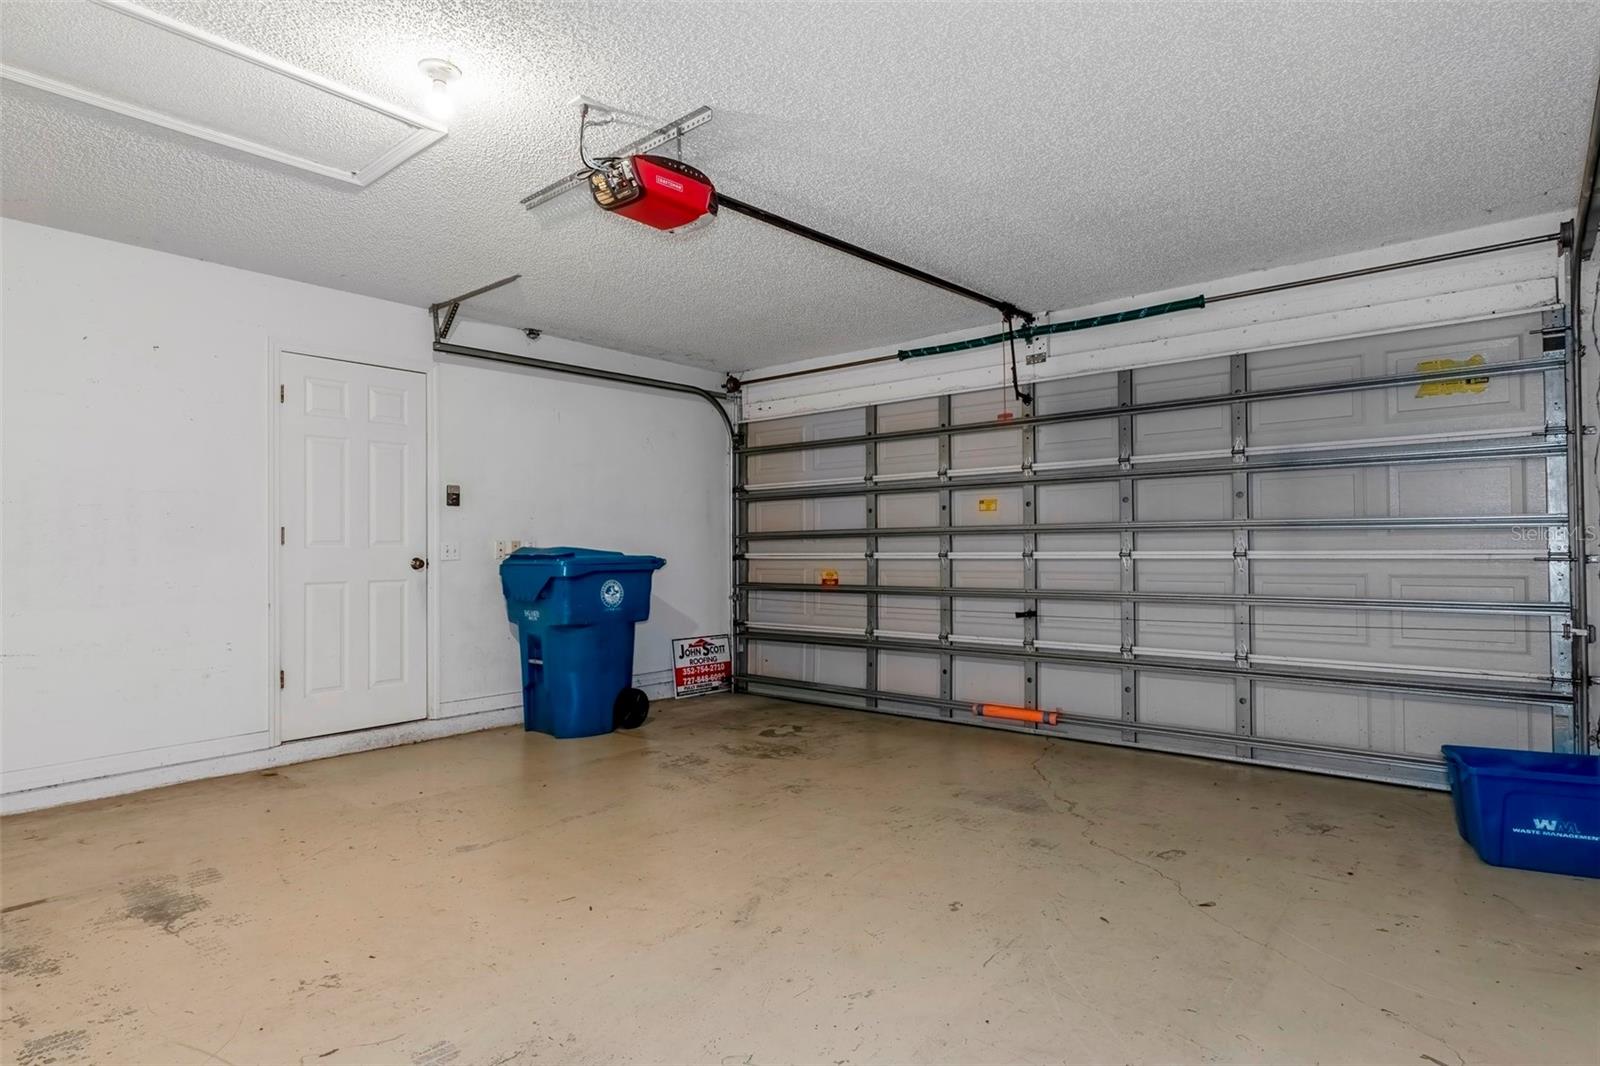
[(1195, 402)]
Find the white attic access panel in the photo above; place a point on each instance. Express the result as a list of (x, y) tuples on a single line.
[(158, 69), (1362, 559)]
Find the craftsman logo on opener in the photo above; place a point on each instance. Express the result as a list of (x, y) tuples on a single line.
[(1452, 386), (988, 503), (611, 593), (701, 664)]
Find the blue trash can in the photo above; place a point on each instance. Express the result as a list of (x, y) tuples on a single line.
[(1532, 810), (574, 609)]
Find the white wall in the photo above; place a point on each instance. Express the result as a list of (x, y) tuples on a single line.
[(135, 390), (554, 460)]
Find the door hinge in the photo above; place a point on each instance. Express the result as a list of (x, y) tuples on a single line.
[(280, 678), (280, 393), (280, 535)]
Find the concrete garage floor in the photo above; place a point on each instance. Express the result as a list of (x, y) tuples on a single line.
[(748, 881)]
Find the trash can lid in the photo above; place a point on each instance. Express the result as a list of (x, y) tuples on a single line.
[(574, 562)]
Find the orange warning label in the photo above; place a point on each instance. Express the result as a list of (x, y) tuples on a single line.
[(830, 577)]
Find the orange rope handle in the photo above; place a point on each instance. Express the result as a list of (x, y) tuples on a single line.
[(1015, 714)]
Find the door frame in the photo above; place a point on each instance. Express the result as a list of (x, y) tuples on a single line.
[(276, 350)]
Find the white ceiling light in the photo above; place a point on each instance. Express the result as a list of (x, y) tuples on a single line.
[(441, 72)]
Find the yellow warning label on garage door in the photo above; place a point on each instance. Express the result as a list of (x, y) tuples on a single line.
[(988, 503), (1450, 386)]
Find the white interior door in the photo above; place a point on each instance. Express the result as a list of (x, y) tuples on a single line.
[(352, 595)]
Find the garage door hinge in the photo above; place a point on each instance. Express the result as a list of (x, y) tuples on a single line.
[(280, 393), (280, 678)]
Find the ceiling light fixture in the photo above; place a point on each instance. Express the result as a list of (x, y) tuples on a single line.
[(441, 72)]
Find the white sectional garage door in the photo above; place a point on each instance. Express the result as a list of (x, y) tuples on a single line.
[(1335, 557)]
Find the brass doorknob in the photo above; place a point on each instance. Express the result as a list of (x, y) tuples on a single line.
[(418, 564)]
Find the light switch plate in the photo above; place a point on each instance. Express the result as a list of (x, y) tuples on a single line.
[(450, 552)]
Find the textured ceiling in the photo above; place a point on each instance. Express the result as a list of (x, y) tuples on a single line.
[(1050, 154)]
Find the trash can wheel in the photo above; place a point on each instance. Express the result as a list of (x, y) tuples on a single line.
[(631, 709)]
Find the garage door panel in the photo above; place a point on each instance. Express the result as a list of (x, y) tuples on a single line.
[(1448, 398), (1421, 725), (1404, 642), (1380, 354), (810, 570), (1171, 499), (1504, 641), (1177, 381), (1291, 633), (1190, 430), (982, 406), (1404, 578), (978, 573), (908, 673), (986, 450), (1184, 575), (838, 666), (1349, 493), (847, 512), (1087, 393), (1166, 627), (1199, 703), (907, 509), (1100, 573), (986, 507), (807, 467), (987, 681), (1096, 501), (917, 615), (842, 556), (1084, 623), (837, 512), (1082, 443), (908, 415), (909, 571), (1420, 542), (778, 660), (988, 619), (816, 427), (1504, 486), (808, 609), (1180, 433), (905, 457), (1339, 717), (1146, 576), (1331, 416), (1081, 690)]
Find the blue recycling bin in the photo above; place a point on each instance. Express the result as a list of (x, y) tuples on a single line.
[(574, 609), (1534, 810)]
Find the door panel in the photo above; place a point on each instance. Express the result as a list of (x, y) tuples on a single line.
[(352, 448)]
